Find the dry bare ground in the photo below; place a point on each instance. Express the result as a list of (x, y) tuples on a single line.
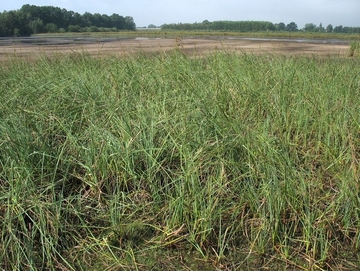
[(188, 45)]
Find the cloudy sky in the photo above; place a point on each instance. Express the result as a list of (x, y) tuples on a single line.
[(145, 12)]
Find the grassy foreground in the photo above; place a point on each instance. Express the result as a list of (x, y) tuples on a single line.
[(167, 162)]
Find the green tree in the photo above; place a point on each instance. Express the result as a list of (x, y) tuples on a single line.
[(106, 21), (129, 23), (74, 28), (338, 29), (291, 27), (88, 19), (76, 19), (51, 28), (16, 20), (37, 19), (329, 28), (310, 27), (117, 21), (206, 24), (346, 29), (269, 26), (281, 26), (4, 30), (97, 20), (17, 32), (37, 26)]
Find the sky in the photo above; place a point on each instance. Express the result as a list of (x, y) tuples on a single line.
[(158, 12)]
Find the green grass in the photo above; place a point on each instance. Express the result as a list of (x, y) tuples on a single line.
[(166, 161), (354, 49)]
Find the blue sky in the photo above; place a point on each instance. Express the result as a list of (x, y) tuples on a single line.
[(145, 12)]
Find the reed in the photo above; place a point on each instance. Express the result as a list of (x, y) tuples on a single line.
[(132, 163), (354, 49)]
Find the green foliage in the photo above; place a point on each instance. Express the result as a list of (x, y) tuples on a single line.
[(147, 161), (242, 26), (37, 26), (74, 28), (51, 28), (280, 26), (31, 19), (329, 28), (291, 27), (255, 26), (310, 27), (354, 49)]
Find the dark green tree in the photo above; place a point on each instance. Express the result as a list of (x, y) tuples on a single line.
[(37, 26), (76, 19), (291, 27), (74, 28), (106, 21), (338, 29), (310, 27), (270, 26), (31, 19), (329, 28), (3, 29), (129, 23), (51, 28), (117, 21), (281, 26)]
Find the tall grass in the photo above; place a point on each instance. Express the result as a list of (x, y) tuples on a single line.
[(354, 49), (131, 163)]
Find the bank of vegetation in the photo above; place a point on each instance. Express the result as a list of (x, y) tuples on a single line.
[(31, 19), (226, 161), (258, 26)]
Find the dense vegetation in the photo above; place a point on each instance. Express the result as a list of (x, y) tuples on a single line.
[(31, 19), (255, 26), (131, 163)]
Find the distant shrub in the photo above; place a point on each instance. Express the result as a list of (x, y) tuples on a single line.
[(74, 28), (51, 28)]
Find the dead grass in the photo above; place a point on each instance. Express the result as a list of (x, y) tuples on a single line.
[(189, 46)]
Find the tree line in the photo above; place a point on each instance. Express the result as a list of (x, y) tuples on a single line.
[(254, 26), (31, 19)]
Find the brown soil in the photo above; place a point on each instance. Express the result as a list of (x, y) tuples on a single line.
[(189, 46)]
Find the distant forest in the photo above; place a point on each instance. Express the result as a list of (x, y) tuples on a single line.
[(254, 26), (31, 19)]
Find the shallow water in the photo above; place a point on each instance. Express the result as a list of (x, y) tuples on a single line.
[(53, 40), (61, 40), (300, 40)]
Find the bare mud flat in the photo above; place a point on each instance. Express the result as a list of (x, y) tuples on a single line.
[(29, 49)]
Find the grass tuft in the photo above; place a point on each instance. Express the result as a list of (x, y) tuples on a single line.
[(132, 163), (354, 49)]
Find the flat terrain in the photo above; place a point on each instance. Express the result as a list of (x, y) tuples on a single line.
[(29, 49)]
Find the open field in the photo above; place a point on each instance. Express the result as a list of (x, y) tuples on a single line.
[(119, 47), (179, 154)]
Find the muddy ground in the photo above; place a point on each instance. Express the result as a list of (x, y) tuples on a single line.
[(191, 46)]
